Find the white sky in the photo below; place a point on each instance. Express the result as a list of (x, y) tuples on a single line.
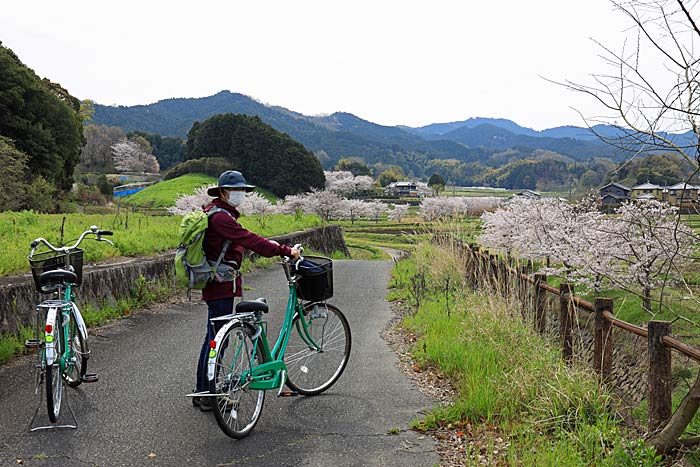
[(390, 62)]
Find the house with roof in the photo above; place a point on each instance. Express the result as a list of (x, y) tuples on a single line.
[(647, 191), (613, 194), (682, 194), (529, 194), (403, 188)]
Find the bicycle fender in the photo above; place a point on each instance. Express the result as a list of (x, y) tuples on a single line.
[(50, 347), (213, 352), (82, 329)]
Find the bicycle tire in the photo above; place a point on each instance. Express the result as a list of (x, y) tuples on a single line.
[(238, 408), (75, 370), (311, 371), (54, 380)]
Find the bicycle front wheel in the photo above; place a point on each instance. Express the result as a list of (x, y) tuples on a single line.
[(54, 381), (77, 363), (237, 408), (316, 356)]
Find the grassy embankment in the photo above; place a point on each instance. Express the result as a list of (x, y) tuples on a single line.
[(517, 403)]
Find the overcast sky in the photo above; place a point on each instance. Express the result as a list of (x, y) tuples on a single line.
[(390, 62)]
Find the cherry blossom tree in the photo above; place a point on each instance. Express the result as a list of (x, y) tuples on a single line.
[(325, 204), (351, 209), (293, 204), (397, 212), (374, 210), (129, 156), (190, 203), (344, 183), (652, 244)]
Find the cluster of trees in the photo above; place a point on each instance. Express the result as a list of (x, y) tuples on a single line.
[(267, 157), (639, 249), (443, 208), (110, 149), (41, 137)]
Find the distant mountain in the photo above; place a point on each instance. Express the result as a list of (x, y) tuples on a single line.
[(499, 138), (439, 129), (343, 134), (340, 134)]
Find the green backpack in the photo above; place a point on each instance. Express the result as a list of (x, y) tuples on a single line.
[(192, 269)]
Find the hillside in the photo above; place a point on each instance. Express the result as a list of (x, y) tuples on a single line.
[(343, 134)]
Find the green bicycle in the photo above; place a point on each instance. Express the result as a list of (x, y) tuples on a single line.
[(61, 335), (309, 355)]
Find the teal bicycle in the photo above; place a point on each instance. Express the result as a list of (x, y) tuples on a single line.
[(308, 356), (61, 335)]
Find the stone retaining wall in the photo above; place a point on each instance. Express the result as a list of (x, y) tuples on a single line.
[(106, 283)]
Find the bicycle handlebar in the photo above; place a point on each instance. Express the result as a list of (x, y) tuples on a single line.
[(94, 230)]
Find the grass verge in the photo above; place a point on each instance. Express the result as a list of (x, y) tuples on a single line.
[(517, 403)]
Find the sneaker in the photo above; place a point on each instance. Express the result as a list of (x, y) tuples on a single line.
[(206, 404)]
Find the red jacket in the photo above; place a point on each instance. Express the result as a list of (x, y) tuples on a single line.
[(223, 227)]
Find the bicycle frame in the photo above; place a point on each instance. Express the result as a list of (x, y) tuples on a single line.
[(64, 306), (272, 373)]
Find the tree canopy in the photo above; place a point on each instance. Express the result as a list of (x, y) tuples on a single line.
[(41, 118), (265, 156)]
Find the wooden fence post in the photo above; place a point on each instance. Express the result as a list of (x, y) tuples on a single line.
[(660, 386), (521, 285), (603, 339), (540, 303), (566, 321)]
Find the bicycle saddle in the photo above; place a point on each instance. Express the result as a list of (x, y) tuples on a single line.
[(258, 304), (58, 276)]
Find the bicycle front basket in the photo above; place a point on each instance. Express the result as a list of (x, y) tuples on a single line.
[(52, 260), (315, 278)]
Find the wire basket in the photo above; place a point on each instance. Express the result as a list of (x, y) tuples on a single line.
[(52, 260), (315, 278)]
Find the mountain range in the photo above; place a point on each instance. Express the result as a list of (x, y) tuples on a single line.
[(343, 134)]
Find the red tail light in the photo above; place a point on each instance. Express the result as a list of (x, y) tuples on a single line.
[(212, 344), (49, 328)]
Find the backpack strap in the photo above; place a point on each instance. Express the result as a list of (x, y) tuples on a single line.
[(227, 243)]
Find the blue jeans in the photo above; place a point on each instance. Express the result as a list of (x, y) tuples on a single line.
[(216, 308)]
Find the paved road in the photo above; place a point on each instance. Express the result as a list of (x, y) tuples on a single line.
[(138, 413)]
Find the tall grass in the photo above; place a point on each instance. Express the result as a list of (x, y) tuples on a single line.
[(509, 379)]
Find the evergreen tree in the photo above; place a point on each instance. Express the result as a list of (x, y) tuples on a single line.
[(264, 155), (41, 118)]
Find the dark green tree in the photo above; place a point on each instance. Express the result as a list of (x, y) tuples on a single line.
[(353, 165), (436, 183), (169, 151), (12, 177), (267, 157), (42, 120)]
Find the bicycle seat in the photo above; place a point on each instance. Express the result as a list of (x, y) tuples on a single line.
[(258, 304), (58, 276)]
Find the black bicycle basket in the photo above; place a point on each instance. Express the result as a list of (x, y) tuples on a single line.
[(52, 260), (315, 281)]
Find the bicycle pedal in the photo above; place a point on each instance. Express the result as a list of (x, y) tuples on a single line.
[(32, 343), (288, 394), (90, 378)]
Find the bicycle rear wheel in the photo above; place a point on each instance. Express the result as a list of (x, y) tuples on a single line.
[(237, 408), (54, 381), (312, 370), (76, 367)]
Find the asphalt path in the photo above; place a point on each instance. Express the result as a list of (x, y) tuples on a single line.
[(138, 415)]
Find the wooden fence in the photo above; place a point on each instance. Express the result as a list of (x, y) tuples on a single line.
[(536, 296)]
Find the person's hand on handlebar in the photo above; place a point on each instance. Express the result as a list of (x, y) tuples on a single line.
[(296, 252)]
